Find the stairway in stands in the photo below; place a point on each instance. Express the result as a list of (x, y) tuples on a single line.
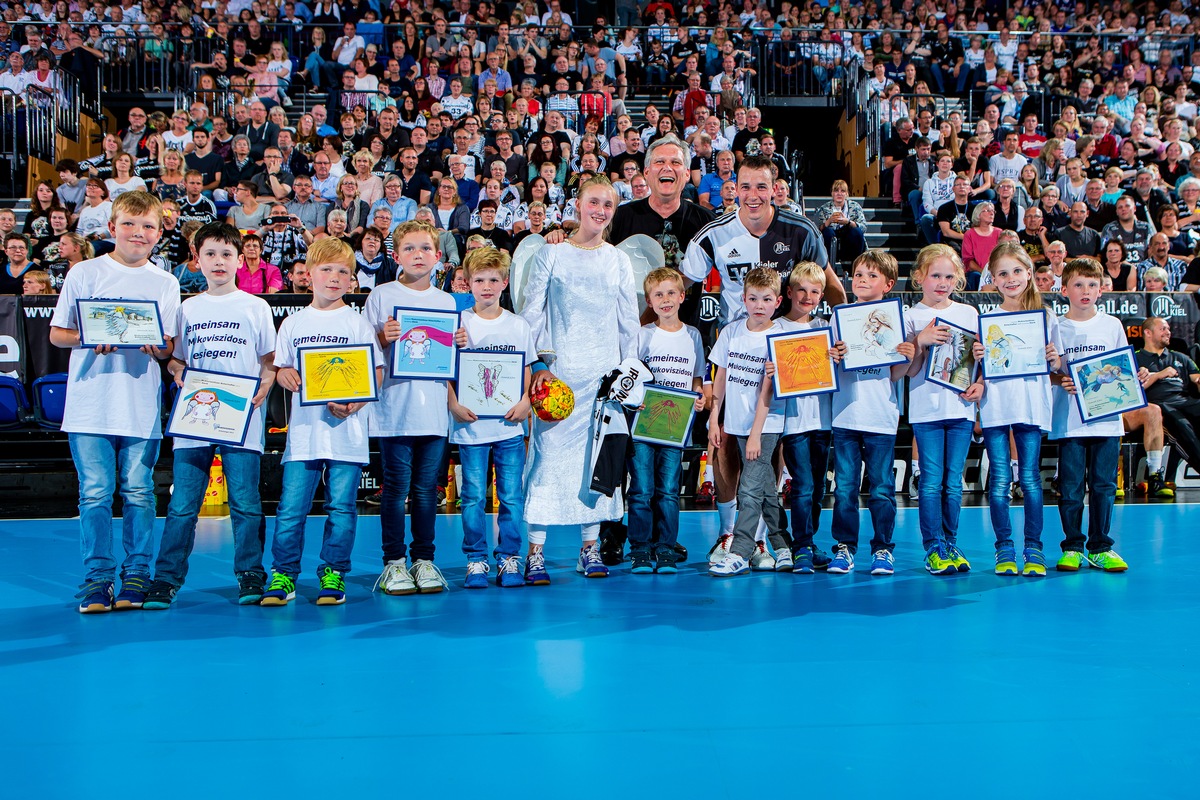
[(20, 207), (887, 227)]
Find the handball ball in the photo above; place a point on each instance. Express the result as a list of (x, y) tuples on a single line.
[(553, 400)]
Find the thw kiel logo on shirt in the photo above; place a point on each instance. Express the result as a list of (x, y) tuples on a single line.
[(781, 248)]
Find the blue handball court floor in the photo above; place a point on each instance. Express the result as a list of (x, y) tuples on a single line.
[(1078, 685)]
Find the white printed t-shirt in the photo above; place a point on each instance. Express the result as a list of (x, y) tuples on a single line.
[(929, 402), (1080, 340), (867, 399), (743, 354), (507, 333)]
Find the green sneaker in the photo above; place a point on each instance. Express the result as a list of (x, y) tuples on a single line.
[(1107, 560), (333, 587), (280, 592), (1035, 563), (1006, 562), (960, 561), (938, 561), (1071, 561)]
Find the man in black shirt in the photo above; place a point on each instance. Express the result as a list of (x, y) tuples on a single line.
[(204, 160), (1079, 239), (1167, 387)]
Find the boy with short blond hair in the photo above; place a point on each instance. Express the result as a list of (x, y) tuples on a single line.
[(674, 352), (325, 442), (411, 420), (113, 410), (866, 413), (753, 418), (487, 326)]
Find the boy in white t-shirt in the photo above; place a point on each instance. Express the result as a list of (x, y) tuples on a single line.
[(753, 420), (1087, 452), (806, 424), (113, 406), (223, 330), (412, 419), (324, 441), (674, 352), (487, 326), (866, 413)]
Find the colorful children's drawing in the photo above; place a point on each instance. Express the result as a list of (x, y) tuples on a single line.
[(425, 349)]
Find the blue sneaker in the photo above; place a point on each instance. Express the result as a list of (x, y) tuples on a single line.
[(732, 564), (134, 589), (280, 591), (821, 559), (590, 563), (938, 561), (508, 573), (535, 570), (160, 596), (802, 561), (882, 563), (96, 597), (843, 561), (333, 587), (477, 575)]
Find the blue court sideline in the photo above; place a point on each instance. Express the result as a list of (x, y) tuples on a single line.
[(650, 686)]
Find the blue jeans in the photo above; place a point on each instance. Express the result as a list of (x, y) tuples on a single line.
[(806, 456), (300, 481), (1028, 439), (852, 450), (826, 75), (941, 77), (1092, 462), (410, 463), (509, 457), (106, 464), (654, 495), (241, 469), (943, 447), (850, 239)]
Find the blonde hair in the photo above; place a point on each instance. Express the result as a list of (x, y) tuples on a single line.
[(1031, 298), (881, 261), (135, 204), (1154, 273), (762, 278), (330, 251), (86, 251), (43, 277), (486, 258), (1084, 267), (807, 271), (415, 226), (930, 254), (663, 275)]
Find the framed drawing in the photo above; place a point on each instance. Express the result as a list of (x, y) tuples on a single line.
[(339, 374), (1107, 385), (490, 382), (119, 323), (953, 364), (871, 332), (665, 417), (802, 363), (425, 349), (213, 407), (1014, 344)]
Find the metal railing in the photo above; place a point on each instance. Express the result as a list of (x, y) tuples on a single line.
[(41, 108), (12, 144), (127, 67), (67, 106)]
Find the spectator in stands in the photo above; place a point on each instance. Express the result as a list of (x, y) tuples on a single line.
[(1008, 163), (12, 275), (1158, 254), (975, 166), (709, 191), (240, 167), (72, 249), (1133, 232), (895, 151), (1146, 197), (37, 281), (71, 189), (1079, 239), (260, 132), (205, 161), (248, 214), (914, 172), (356, 211), (123, 179), (1031, 140), (1182, 242), (255, 275), (935, 192), (95, 214), (133, 137), (1054, 214), (1123, 274), (842, 220), (978, 242), (284, 238)]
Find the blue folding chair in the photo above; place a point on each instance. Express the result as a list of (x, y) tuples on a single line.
[(14, 405), (50, 400)]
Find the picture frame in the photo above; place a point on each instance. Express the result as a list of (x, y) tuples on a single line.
[(489, 382), (119, 322), (425, 349), (1107, 385), (952, 364), (802, 363), (1014, 344), (665, 418), (337, 374), (213, 407), (871, 332)]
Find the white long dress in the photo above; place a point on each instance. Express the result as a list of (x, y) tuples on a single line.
[(581, 306)]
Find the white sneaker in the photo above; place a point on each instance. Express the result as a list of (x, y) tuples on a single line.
[(720, 549), (732, 564), (783, 559), (761, 560), (428, 577), (396, 579)]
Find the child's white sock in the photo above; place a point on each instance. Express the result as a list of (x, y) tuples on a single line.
[(727, 512), (1153, 461), (760, 535), (708, 472), (916, 467)]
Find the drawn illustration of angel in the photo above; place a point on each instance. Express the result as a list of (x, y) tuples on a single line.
[(202, 408), (419, 340), (337, 369), (879, 336)]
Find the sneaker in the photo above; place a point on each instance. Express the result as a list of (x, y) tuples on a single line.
[(441, 501), (882, 563), (396, 579), (1156, 486), (640, 562), (333, 587), (612, 545), (133, 592), (802, 561), (821, 559), (590, 564), (477, 575), (761, 560), (706, 494), (1006, 561), (96, 597), (960, 561), (160, 596), (843, 560), (938, 561), (374, 499), (1016, 492), (1070, 561), (250, 588), (428, 577), (914, 487), (1035, 563), (666, 560), (1120, 494), (508, 573), (280, 591), (535, 570), (732, 564), (1107, 560), (680, 553), (783, 559), (720, 549)]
